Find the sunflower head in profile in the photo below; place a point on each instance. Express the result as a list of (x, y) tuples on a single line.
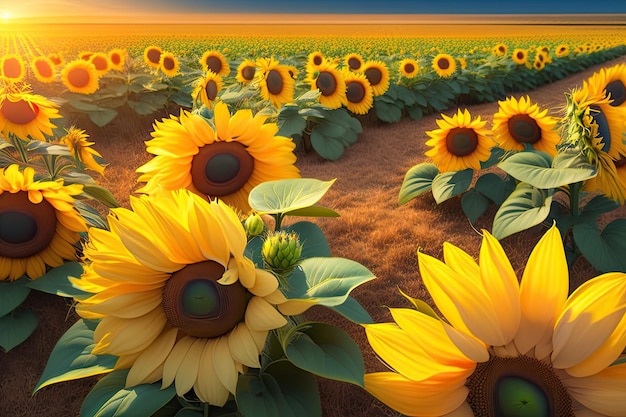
[(39, 225), (117, 58), (101, 63), (27, 115), (377, 74), (178, 301), (152, 56), (460, 142), (80, 76), (216, 62), (562, 50), (505, 347), (85, 55), (222, 160), (77, 141), (444, 65), (56, 59), (169, 64), (12, 68), (520, 56), (328, 79), (207, 89), (353, 61), (408, 67), (275, 81), (519, 124), (500, 49), (246, 71), (359, 94), (44, 69)]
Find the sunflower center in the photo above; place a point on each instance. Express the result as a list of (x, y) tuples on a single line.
[(100, 63), (524, 128), (169, 63), (248, 72), (12, 68), (116, 59), (374, 75), (197, 304), (154, 56), (44, 69), (19, 112), (78, 77), (443, 63), (214, 64), (520, 55), (317, 60), (604, 130), (517, 387), (221, 168), (355, 92), (354, 63), (274, 82), (25, 228), (409, 68), (461, 141), (326, 83), (211, 90), (617, 91)]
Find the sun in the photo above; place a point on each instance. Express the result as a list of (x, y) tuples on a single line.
[(5, 15)]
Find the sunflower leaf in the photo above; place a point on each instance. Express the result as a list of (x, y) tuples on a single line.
[(314, 242), (418, 180), (325, 350), (102, 116), (328, 147), (605, 251), (474, 204), (281, 196), (449, 184), (525, 207), (16, 328), (71, 357), (12, 294), (56, 281), (495, 187), (353, 311), (387, 112)]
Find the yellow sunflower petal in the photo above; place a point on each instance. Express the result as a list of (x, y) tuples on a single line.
[(221, 119), (265, 283), (224, 365), (152, 358), (174, 359), (130, 336), (260, 315), (243, 347), (603, 393), (188, 370), (206, 387)]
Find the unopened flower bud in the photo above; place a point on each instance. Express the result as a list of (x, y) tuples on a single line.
[(281, 251), (254, 225)]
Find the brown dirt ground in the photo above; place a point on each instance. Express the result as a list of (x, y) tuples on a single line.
[(372, 230)]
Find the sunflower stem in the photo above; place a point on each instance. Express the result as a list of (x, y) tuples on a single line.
[(574, 198), (205, 412)]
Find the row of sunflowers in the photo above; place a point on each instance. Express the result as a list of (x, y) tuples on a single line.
[(192, 300)]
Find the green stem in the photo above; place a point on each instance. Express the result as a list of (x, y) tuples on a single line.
[(279, 220), (574, 198), (206, 410)]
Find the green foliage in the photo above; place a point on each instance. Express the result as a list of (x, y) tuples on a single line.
[(449, 184), (526, 207), (16, 327), (605, 250), (12, 294), (417, 181), (56, 281), (287, 196)]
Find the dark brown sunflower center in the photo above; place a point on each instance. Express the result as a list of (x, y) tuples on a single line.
[(520, 55), (25, 228), (317, 60), (524, 129), (604, 130), (169, 63), (78, 77), (44, 69), (116, 59), (19, 112), (354, 63), (12, 68), (326, 83), (100, 63), (617, 91), (211, 89), (374, 75), (443, 63), (355, 92), (221, 168), (274, 82), (247, 72), (461, 141), (517, 387), (154, 55), (214, 64), (197, 304), (409, 68)]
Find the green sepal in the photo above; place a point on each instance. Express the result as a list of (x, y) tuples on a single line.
[(525, 207), (283, 196), (449, 184), (16, 327), (417, 180), (12, 294), (56, 281)]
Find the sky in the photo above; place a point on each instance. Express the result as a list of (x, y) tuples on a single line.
[(146, 9)]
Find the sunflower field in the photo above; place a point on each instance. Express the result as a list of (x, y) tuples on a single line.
[(214, 288)]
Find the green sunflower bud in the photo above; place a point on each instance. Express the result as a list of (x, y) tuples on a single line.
[(281, 251), (254, 225)]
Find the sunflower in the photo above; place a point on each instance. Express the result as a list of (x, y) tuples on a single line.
[(314, 61), (612, 81), (562, 50), (354, 61), (539, 64), (152, 56), (459, 143), (178, 301), (520, 56), (117, 58), (208, 88), (224, 162), (77, 142), (275, 82), (408, 67), (80, 76), (359, 94), (444, 65), (330, 83), (499, 50), (216, 62), (12, 68), (25, 114), (377, 74), (44, 69), (168, 64), (39, 225), (100, 62), (85, 55), (56, 59), (505, 348), (246, 71), (521, 124), (462, 63)]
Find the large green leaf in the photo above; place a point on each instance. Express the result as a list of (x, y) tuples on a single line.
[(449, 184), (605, 251), (282, 196), (526, 207), (102, 117), (56, 281), (326, 281), (535, 168), (325, 350), (314, 211), (474, 204), (109, 398), (16, 327), (353, 311), (417, 180), (313, 239), (281, 389), (71, 357), (494, 187), (387, 112), (597, 206), (328, 147), (12, 294)]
